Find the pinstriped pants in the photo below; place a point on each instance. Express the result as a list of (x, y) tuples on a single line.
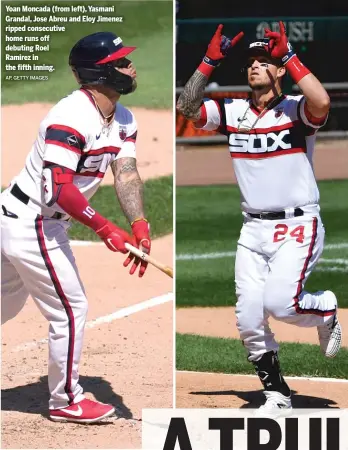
[(37, 260), (273, 262)]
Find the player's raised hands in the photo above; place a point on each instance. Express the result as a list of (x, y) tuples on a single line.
[(219, 46), (279, 44)]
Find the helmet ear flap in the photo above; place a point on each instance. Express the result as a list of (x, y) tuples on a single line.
[(76, 75)]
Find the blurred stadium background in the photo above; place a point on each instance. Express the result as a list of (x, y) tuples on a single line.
[(208, 218)]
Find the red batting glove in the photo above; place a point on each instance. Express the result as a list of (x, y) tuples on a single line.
[(279, 45), (281, 48), (115, 237), (141, 230), (217, 50)]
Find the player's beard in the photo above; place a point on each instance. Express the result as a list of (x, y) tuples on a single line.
[(132, 88), (127, 72), (134, 85)]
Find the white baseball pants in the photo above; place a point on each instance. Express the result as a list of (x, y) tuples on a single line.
[(37, 260), (273, 261)]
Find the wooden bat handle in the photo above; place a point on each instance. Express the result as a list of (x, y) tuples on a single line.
[(145, 257)]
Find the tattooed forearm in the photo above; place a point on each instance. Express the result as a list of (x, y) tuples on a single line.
[(129, 188), (191, 98)]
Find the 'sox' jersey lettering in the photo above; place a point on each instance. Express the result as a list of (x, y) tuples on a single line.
[(271, 152), (72, 135), (261, 143)]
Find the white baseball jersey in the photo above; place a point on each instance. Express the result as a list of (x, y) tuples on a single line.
[(72, 135), (272, 158), (36, 257)]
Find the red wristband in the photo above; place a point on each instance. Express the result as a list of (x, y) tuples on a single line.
[(296, 69), (206, 69)]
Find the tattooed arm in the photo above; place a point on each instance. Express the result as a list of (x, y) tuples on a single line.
[(128, 187), (129, 190), (190, 100)]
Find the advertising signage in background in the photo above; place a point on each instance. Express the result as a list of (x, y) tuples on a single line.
[(313, 39), (221, 8)]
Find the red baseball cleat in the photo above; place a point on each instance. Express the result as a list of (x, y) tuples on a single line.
[(86, 411)]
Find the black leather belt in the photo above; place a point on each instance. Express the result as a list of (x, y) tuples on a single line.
[(276, 215), (17, 192)]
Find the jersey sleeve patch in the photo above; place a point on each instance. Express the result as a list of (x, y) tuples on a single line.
[(307, 118), (65, 137), (63, 145)]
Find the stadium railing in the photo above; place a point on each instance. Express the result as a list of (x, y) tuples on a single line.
[(186, 133)]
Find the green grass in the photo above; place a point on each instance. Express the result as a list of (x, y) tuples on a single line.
[(147, 25), (205, 283), (207, 354), (158, 199), (209, 220)]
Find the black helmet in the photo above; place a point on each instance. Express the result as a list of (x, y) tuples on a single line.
[(261, 48), (92, 59)]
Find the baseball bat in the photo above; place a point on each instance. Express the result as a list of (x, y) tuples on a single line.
[(145, 257)]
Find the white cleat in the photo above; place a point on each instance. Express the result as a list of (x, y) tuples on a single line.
[(330, 334), (330, 337), (277, 405)]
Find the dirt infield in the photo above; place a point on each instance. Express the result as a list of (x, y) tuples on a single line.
[(231, 391), (221, 322), (205, 390), (212, 165), (127, 361)]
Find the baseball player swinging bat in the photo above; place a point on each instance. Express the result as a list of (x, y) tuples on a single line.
[(147, 258)]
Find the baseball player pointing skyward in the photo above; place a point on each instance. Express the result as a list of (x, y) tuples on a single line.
[(82, 135), (271, 141)]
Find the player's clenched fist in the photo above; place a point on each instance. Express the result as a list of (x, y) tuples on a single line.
[(219, 46), (114, 237), (141, 233)]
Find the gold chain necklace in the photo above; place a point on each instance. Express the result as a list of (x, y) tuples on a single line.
[(105, 120), (246, 129)]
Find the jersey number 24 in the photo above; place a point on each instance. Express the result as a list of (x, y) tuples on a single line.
[(283, 229)]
